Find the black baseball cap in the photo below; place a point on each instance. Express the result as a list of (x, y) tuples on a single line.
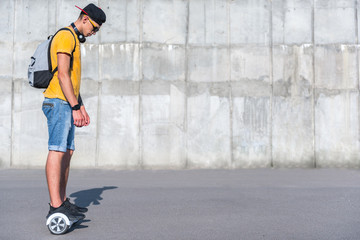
[(95, 13)]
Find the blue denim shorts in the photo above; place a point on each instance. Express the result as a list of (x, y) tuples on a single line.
[(60, 124)]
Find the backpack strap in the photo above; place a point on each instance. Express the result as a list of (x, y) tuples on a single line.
[(49, 55)]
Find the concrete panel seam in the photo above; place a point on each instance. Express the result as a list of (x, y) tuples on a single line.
[(56, 14), (357, 57), (141, 79), (313, 82), (12, 124), (357, 40), (231, 103), (305, 44), (12, 91), (271, 83), (186, 163), (48, 8), (356, 22), (126, 24), (334, 45), (98, 127)]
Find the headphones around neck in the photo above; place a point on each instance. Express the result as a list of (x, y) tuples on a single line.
[(80, 36)]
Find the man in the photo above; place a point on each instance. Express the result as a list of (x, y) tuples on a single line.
[(63, 106)]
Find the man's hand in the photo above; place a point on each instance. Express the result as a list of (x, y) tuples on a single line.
[(79, 119), (86, 116)]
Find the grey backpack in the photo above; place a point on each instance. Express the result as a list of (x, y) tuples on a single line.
[(40, 69)]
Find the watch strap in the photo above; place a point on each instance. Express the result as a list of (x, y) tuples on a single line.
[(76, 107)]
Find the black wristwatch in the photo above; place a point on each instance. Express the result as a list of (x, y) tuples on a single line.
[(76, 107)]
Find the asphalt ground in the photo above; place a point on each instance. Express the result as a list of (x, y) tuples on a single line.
[(279, 204)]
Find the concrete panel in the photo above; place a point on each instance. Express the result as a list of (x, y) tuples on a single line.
[(164, 21), (6, 59), (250, 22), (26, 14), (292, 25), (29, 127), (119, 62), (293, 70), (163, 62), (335, 20), (293, 132), (208, 22), (292, 107), (162, 129), (7, 10), (5, 121), (250, 62), (208, 64), (336, 67), (208, 124), (90, 61), (122, 23), (118, 126), (251, 132), (337, 128), (86, 137)]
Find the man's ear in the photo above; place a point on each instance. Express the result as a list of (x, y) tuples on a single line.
[(85, 17)]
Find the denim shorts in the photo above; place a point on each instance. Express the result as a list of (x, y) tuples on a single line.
[(60, 124)]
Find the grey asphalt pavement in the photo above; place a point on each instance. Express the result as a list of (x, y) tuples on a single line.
[(274, 204)]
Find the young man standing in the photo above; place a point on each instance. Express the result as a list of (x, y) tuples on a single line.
[(63, 106)]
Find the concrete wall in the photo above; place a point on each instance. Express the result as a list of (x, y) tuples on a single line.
[(194, 83)]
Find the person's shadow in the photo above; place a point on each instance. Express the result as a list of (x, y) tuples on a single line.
[(86, 197), (91, 196)]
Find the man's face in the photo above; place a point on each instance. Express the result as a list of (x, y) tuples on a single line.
[(91, 27)]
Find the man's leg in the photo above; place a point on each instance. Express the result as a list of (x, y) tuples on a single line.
[(53, 176), (65, 173)]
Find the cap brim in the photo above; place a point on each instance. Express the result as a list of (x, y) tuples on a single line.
[(82, 10)]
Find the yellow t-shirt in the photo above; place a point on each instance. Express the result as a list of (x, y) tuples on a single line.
[(63, 42)]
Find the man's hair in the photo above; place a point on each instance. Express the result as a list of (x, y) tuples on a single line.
[(81, 15)]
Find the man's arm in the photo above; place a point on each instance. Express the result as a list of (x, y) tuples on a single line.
[(67, 87), (64, 78)]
